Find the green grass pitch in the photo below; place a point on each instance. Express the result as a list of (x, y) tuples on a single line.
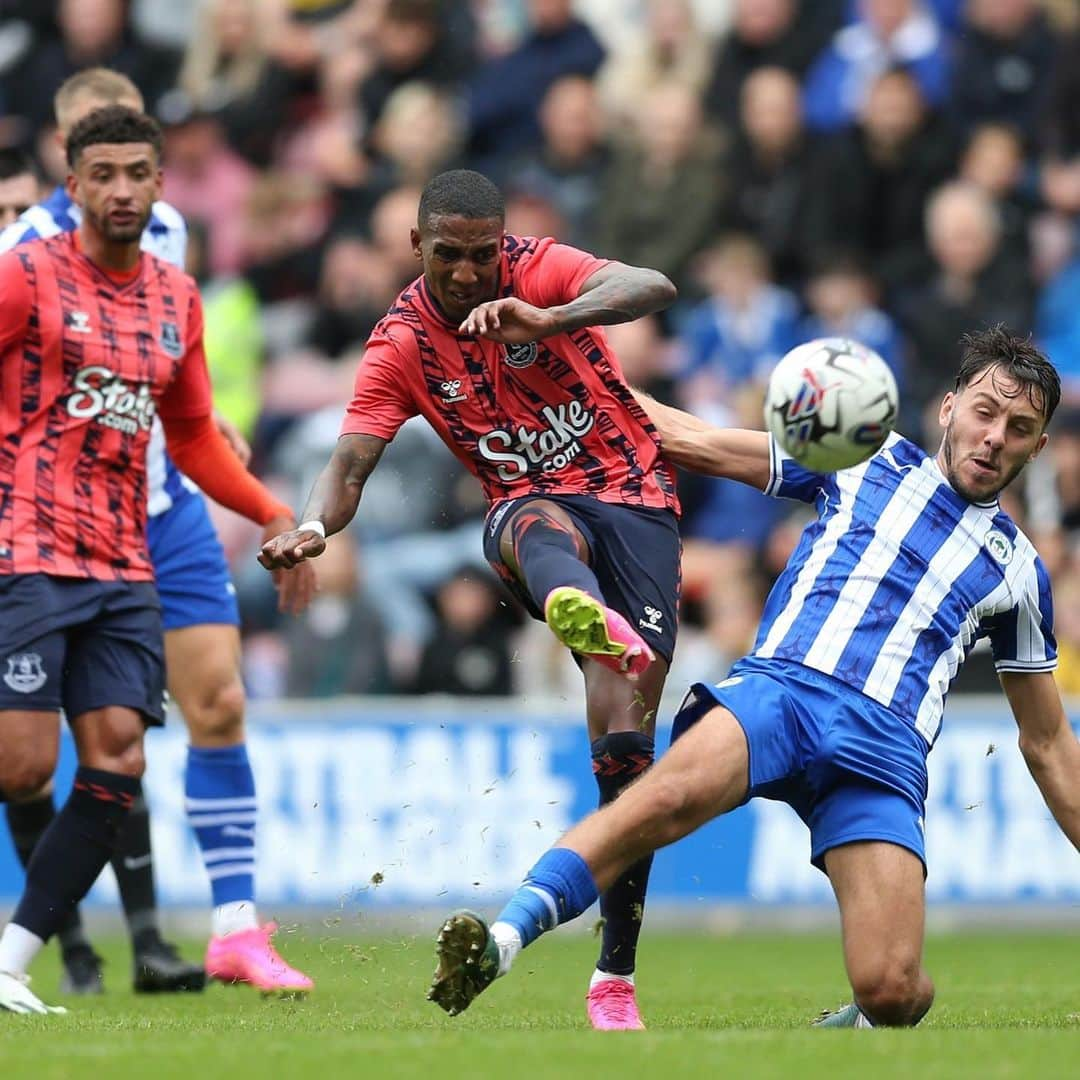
[(1008, 1006)]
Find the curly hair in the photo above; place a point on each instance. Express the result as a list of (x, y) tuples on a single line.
[(113, 124)]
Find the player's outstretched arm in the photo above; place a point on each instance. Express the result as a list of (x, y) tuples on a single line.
[(1048, 744), (617, 293), (691, 443), (332, 502)]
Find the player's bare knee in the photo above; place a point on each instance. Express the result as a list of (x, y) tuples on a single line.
[(24, 774), (218, 719), (670, 806)]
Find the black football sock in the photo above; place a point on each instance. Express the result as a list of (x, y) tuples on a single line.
[(618, 759), (547, 556), (74, 849), (27, 823), (133, 865)]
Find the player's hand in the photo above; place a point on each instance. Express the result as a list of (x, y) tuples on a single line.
[(510, 322), (236, 441), (285, 553)]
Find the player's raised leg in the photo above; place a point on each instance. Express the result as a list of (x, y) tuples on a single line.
[(880, 890), (547, 553), (203, 664), (704, 774)]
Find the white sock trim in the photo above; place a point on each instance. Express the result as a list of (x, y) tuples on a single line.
[(549, 902), (509, 942), (233, 917), (18, 946), (599, 976)]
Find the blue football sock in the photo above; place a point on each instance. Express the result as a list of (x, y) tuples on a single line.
[(557, 889), (219, 790)]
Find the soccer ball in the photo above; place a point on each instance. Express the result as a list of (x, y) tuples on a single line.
[(831, 403)]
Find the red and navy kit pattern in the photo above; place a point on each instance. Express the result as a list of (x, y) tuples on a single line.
[(85, 361), (551, 417)]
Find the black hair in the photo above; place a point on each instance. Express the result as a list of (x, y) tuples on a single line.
[(113, 124), (1017, 357), (15, 162), (460, 193)]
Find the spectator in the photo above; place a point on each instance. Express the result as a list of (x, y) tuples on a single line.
[(469, 653), (1060, 132), (971, 287), (209, 182), (92, 33), (994, 160), (567, 169), (409, 46), (324, 659), (670, 46), (873, 181), (1003, 64), (228, 71), (661, 198), (768, 33), (887, 34), (392, 221), (734, 337), (504, 94), (769, 169), (841, 298)]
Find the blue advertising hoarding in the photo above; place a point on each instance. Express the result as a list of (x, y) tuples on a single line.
[(388, 803)]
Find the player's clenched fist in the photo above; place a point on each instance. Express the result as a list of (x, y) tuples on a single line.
[(287, 549)]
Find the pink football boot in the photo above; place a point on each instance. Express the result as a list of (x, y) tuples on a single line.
[(612, 1006), (247, 956), (583, 624)]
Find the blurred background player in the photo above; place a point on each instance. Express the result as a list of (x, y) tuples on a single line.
[(910, 559), (20, 185), (202, 648), (498, 346), (82, 618)]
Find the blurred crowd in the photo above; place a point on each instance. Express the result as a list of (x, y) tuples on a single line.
[(899, 171)]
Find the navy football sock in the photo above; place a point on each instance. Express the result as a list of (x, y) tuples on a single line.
[(547, 556), (28, 822), (133, 865), (618, 759), (74, 849)]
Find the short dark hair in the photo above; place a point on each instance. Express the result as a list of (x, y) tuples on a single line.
[(460, 193), (112, 124), (1017, 357), (15, 161)]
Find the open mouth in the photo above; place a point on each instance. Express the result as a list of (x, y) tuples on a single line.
[(985, 467)]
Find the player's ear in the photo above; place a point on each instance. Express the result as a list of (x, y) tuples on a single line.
[(1043, 438), (414, 239), (947, 404), (71, 185)]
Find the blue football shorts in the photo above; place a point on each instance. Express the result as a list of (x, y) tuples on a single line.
[(192, 573), (79, 644), (850, 768)]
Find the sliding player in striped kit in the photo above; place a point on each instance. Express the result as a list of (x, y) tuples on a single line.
[(910, 560), (202, 646)]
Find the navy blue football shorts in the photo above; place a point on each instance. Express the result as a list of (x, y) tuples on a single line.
[(850, 768), (79, 644), (635, 553), (192, 573)]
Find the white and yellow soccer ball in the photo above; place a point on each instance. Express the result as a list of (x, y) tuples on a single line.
[(831, 403)]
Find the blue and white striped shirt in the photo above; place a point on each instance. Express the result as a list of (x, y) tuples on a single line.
[(165, 237), (890, 587)]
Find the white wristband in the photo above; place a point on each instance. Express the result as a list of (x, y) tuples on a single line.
[(314, 526)]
